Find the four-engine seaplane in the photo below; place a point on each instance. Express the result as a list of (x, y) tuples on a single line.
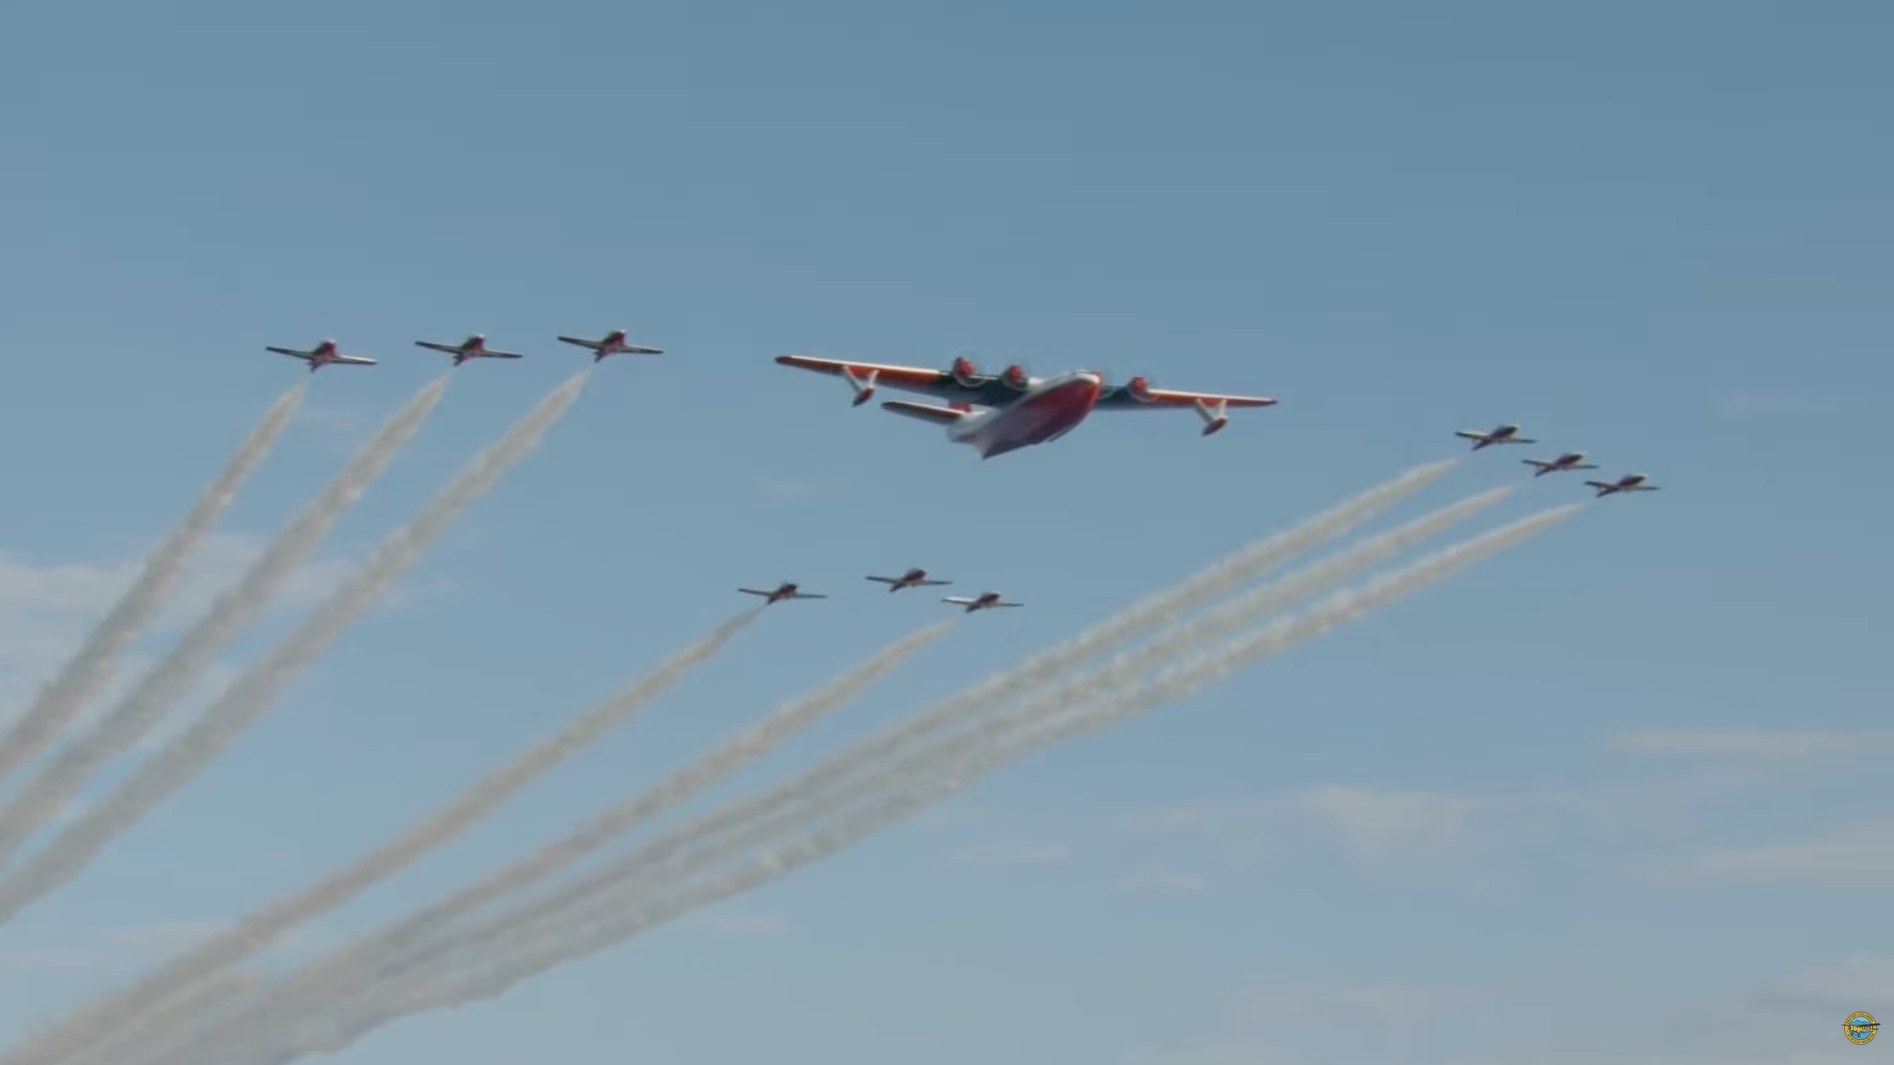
[(785, 590), (983, 601), (613, 344), (1020, 410), (474, 347), (322, 355), (915, 577)]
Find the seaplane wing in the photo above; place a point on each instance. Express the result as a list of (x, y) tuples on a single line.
[(962, 382), (1212, 407)]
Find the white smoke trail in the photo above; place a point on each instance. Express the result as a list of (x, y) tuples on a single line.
[(66, 694), (1161, 608), (255, 691), (839, 780), (121, 1044), (786, 809), (343, 970), (484, 974), (258, 930), (174, 676)]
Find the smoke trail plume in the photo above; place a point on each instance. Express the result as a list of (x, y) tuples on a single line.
[(259, 929), (255, 691), (363, 956), (174, 676), (66, 694), (484, 974), (836, 781), (788, 810), (1156, 610), (125, 1043)]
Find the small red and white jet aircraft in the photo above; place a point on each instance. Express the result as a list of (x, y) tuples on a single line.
[(1021, 410), (613, 344), (914, 578), (785, 590), (1504, 434), (983, 601), (474, 347), (322, 355), (1630, 482), (1571, 460)]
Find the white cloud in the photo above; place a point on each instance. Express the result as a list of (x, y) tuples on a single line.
[(1371, 823), (1375, 823), (1747, 742), (47, 608), (1842, 985), (1862, 857)]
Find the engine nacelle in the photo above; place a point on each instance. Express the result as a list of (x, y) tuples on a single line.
[(1140, 389), (1016, 378), (967, 374)]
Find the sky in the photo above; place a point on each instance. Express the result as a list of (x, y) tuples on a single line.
[(1621, 794)]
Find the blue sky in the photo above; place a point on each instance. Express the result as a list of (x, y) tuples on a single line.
[(1655, 232)]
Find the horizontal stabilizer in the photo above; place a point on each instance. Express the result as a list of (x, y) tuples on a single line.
[(937, 415)]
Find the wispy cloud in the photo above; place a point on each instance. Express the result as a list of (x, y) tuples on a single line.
[(1748, 742), (1369, 822), (46, 608), (1865, 856), (1375, 823)]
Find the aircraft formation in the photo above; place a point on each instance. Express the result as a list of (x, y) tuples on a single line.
[(915, 577), (474, 347), (1571, 460), (992, 413)]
